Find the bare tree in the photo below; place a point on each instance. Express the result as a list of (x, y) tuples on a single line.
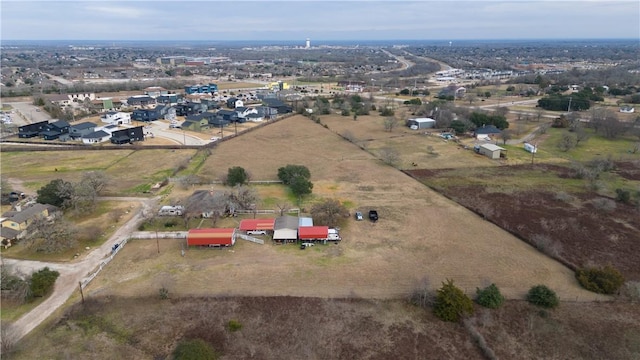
[(581, 134), (506, 136), (52, 236), (283, 207), (390, 123), (97, 180), (389, 156), (244, 196)]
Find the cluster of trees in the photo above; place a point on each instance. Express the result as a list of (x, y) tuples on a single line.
[(329, 212), (481, 119), (452, 304), (80, 197), (578, 101), (22, 289), (220, 203), (297, 178)]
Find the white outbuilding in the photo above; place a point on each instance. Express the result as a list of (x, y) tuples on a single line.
[(421, 123)]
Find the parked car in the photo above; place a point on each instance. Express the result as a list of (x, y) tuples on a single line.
[(257, 232), (373, 215), (307, 244), (359, 215)]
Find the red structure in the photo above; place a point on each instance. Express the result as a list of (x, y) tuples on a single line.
[(313, 232), (211, 237), (257, 224)]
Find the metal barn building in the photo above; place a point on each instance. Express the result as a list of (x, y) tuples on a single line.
[(421, 123), (211, 237), (257, 224)]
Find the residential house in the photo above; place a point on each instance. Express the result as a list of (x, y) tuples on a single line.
[(116, 118), (201, 89), (197, 122), (149, 114), (20, 219), (234, 102), (31, 130), (211, 104), (155, 91), (171, 99), (128, 136), (190, 108), (243, 111), (228, 115), (254, 117), (485, 132), (96, 137), (69, 99), (267, 113), (55, 130), (277, 104), (79, 130), (141, 100)]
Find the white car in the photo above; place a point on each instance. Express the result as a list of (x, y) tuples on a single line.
[(308, 244), (257, 232)]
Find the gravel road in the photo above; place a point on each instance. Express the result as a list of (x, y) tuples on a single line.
[(71, 273)]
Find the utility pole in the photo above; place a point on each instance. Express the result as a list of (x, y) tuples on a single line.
[(157, 242), (81, 293), (569, 107)]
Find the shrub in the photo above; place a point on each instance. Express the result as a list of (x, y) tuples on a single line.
[(604, 204), (451, 303), (624, 196), (542, 296), (490, 297), (195, 349), (606, 280), (42, 282), (234, 325), (164, 293)]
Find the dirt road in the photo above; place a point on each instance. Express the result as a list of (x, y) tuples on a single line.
[(70, 273)]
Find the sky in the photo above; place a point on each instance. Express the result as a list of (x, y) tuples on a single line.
[(320, 20)]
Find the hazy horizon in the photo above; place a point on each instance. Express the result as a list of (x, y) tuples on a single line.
[(326, 21)]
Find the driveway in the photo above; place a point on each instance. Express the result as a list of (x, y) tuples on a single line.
[(71, 273)]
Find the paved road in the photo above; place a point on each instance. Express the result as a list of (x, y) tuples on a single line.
[(71, 273)]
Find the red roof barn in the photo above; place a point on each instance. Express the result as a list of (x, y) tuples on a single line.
[(257, 224), (211, 237), (313, 232)]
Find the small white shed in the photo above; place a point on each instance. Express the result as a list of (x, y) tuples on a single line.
[(492, 151)]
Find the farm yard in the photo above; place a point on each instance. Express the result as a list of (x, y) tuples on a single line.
[(419, 235)]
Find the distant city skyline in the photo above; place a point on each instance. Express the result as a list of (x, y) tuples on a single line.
[(326, 20)]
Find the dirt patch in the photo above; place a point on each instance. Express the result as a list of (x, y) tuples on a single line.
[(572, 331), (629, 170)]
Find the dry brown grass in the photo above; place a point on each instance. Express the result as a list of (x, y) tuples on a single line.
[(125, 168), (420, 233)]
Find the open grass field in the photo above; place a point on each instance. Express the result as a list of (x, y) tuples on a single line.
[(126, 169), (420, 234)]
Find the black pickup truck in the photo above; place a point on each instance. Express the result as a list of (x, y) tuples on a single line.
[(373, 215)]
